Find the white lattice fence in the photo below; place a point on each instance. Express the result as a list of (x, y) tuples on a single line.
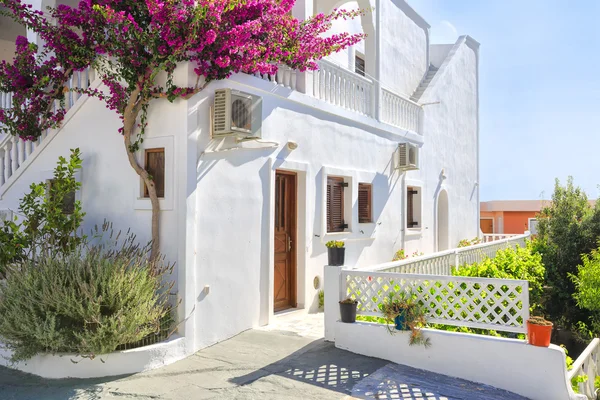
[(499, 304)]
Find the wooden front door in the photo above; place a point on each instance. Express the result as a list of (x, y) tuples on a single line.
[(285, 240)]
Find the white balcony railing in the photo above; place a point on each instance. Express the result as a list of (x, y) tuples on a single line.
[(587, 365), (491, 237), (341, 87), (285, 77), (399, 111), (14, 151), (498, 304), (441, 263)]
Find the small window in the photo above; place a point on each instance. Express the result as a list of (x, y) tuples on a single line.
[(155, 165), (413, 207), (533, 223), (359, 65), (68, 202), (335, 204), (364, 203)]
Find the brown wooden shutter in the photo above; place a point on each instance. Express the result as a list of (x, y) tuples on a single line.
[(335, 204), (364, 203), (410, 221), (155, 165)]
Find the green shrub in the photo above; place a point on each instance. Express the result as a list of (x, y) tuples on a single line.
[(469, 242), (401, 255), (88, 304), (511, 263), (47, 227)]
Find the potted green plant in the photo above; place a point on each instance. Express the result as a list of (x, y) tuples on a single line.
[(539, 331), (336, 252), (402, 310), (348, 310)]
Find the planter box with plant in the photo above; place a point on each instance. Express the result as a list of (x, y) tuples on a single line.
[(348, 310), (402, 310), (335, 253), (539, 331)]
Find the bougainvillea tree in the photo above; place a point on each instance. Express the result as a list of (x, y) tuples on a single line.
[(129, 43)]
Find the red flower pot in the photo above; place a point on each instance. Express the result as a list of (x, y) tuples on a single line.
[(539, 335)]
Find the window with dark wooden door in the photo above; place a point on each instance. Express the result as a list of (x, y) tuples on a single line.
[(359, 65), (364, 203), (413, 207), (335, 204), (155, 165)]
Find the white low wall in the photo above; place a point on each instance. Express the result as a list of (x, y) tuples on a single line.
[(119, 363), (537, 373)]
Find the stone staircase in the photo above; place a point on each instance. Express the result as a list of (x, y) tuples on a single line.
[(424, 84)]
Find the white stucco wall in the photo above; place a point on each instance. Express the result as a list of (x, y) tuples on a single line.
[(404, 47), (452, 134), (110, 188), (126, 362), (538, 373), (234, 202), (217, 218)]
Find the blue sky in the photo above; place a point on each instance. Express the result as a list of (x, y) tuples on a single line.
[(539, 90)]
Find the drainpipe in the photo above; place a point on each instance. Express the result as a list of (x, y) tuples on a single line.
[(377, 111)]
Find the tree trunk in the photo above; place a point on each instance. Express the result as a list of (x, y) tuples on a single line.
[(129, 124)]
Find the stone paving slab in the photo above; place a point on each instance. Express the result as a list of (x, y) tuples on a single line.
[(261, 365)]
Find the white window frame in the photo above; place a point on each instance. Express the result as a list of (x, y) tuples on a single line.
[(355, 231), (166, 203), (418, 185)]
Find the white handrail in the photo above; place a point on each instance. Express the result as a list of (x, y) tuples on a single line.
[(491, 237), (399, 111), (341, 87), (440, 263), (587, 365)]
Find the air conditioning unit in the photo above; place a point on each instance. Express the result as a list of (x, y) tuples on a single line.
[(407, 157), (237, 114)]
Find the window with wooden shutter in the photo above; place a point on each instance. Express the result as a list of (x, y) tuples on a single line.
[(335, 204), (155, 165), (364, 203), (413, 207), (359, 65)]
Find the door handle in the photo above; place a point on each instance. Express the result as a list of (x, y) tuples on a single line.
[(289, 243)]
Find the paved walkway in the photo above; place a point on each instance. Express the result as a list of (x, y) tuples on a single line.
[(265, 364)]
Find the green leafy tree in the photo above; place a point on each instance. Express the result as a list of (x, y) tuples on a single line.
[(50, 218), (587, 285), (568, 228)]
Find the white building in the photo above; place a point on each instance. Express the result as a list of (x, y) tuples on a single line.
[(243, 250)]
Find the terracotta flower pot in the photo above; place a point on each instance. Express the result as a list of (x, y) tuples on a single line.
[(539, 335)]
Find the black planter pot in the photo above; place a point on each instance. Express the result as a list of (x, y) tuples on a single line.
[(336, 256), (348, 312)]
